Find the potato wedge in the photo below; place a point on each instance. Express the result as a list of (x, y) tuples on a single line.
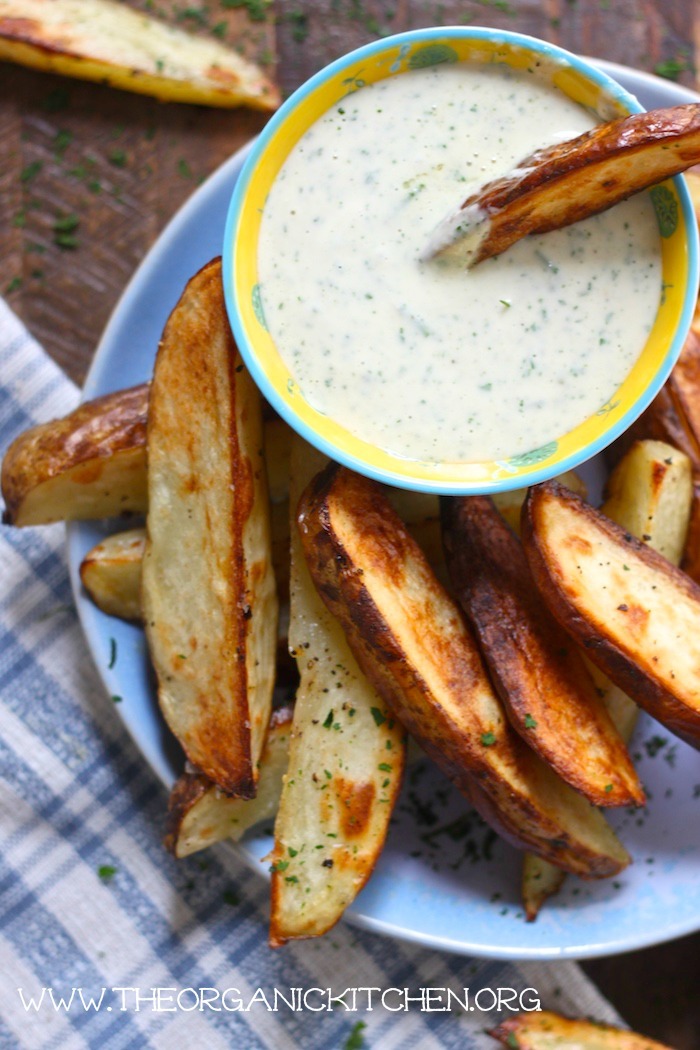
[(345, 766), (111, 573), (199, 814), (540, 676), (545, 1030), (571, 180), (89, 464), (414, 645), (92, 464), (684, 386), (113, 44), (540, 880), (637, 616), (690, 562), (208, 590), (649, 497)]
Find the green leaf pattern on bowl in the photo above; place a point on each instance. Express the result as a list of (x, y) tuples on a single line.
[(256, 299), (666, 208), (432, 55), (536, 455), (607, 408)]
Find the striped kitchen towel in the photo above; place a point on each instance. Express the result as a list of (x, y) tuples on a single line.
[(105, 940)]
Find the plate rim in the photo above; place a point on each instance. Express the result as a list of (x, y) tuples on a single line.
[(92, 387)]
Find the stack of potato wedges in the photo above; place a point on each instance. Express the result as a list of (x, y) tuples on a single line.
[(514, 639)]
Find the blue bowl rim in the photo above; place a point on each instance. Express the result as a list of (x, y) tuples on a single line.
[(507, 483)]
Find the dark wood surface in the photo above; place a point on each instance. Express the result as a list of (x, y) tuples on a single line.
[(121, 165)]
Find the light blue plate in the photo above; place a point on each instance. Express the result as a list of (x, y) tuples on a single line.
[(444, 880)]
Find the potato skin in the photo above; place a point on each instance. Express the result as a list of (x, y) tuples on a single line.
[(629, 669), (58, 470), (424, 640), (541, 679)]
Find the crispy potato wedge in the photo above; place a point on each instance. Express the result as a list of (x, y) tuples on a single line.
[(414, 645), (113, 44), (200, 814), (649, 494), (569, 181), (637, 616), (208, 589), (690, 562), (540, 880), (545, 1030), (540, 676), (89, 464), (684, 386), (649, 497), (346, 762), (111, 573), (92, 464)]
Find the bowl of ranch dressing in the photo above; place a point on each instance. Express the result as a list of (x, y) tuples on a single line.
[(428, 376)]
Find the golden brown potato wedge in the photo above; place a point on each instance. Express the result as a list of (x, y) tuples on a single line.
[(208, 590), (649, 494), (691, 552), (539, 674), (564, 183), (540, 881), (111, 573), (637, 616), (92, 464), (684, 386), (414, 645), (544, 1030), (89, 464), (649, 498), (114, 44), (199, 814), (346, 762)]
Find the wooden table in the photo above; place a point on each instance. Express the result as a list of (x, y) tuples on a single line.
[(121, 165)]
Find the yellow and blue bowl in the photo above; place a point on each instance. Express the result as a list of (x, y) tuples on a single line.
[(390, 57)]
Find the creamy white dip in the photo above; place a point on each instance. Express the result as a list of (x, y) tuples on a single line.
[(428, 361)]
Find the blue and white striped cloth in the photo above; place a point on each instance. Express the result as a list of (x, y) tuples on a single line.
[(91, 901)]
